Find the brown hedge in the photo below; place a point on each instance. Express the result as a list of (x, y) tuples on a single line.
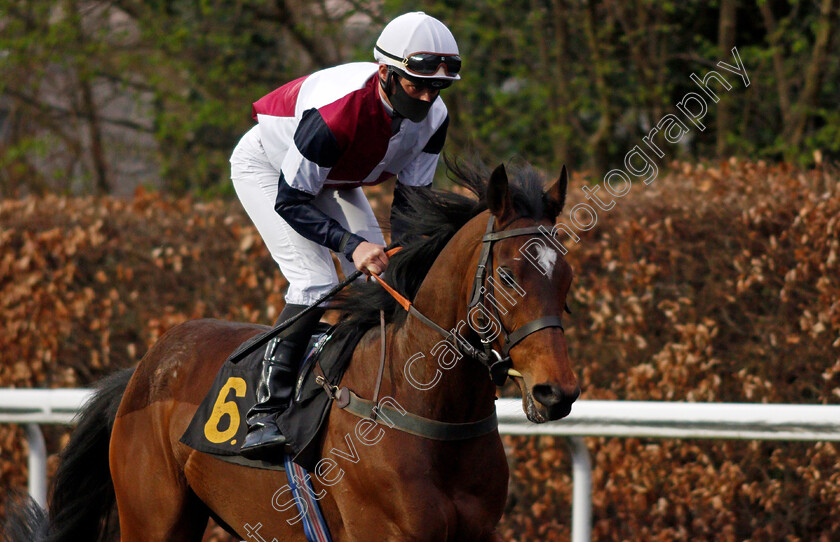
[(714, 283)]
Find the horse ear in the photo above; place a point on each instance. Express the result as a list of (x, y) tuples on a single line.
[(498, 195), (555, 197)]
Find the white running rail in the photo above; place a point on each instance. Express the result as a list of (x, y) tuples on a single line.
[(749, 421), (31, 407)]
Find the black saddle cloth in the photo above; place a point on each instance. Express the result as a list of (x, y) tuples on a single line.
[(218, 426)]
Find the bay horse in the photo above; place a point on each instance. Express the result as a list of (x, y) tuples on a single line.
[(126, 447)]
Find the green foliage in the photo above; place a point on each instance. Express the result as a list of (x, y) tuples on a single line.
[(539, 82), (550, 81)]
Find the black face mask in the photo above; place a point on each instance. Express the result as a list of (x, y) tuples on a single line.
[(413, 109)]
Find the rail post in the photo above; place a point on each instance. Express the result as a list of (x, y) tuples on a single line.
[(581, 490), (37, 464)]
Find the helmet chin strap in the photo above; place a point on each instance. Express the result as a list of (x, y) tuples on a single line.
[(386, 84)]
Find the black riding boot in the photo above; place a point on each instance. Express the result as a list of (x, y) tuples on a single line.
[(276, 385)]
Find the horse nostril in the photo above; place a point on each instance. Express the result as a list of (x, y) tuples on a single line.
[(552, 394)]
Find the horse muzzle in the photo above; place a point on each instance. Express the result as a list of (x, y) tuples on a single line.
[(546, 402)]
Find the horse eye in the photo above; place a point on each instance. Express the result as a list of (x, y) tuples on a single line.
[(507, 277)]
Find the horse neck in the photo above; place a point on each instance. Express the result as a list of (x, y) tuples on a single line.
[(464, 392)]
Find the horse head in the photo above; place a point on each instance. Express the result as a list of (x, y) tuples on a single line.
[(527, 267)]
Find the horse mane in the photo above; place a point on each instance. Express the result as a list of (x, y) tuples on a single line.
[(431, 218)]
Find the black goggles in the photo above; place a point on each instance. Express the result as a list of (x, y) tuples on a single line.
[(427, 63), (420, 82)]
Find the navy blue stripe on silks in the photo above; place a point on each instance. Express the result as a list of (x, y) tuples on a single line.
[(315, 140), (435, 144), (314, 527), (296, 208)]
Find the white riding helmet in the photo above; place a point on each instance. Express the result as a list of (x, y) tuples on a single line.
[(420, 46)]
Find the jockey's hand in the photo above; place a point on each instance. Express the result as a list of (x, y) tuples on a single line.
[(370, 258)]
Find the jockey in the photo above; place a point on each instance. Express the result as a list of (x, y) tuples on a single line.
[(299, 173)]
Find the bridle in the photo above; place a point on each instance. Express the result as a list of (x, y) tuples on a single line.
[(499, 364)]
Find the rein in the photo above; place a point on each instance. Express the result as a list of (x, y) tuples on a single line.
[(499, 365)]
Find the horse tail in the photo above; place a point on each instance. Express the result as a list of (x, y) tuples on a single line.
[(25, 521), (83, 496)]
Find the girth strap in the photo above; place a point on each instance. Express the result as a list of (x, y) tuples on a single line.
[(412, 423)]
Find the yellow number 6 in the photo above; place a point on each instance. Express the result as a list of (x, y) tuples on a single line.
[(225, 408)]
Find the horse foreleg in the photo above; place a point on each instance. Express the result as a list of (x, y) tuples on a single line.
[(154, 501)]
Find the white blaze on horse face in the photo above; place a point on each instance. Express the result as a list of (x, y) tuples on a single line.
[(547, 258), (540, 255)]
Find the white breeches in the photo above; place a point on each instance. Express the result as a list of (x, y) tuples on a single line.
[(306, 265)]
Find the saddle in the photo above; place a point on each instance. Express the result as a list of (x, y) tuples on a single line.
[(218, 427)]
